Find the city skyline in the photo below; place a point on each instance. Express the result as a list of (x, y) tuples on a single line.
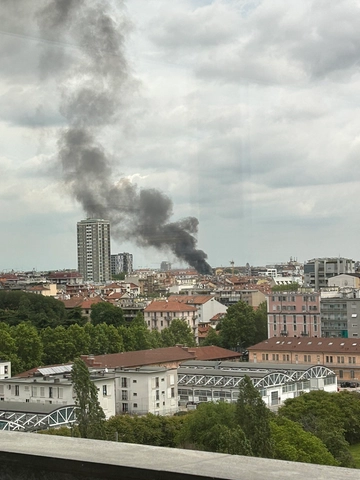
[(244, 114)]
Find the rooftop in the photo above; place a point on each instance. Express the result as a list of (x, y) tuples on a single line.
[(309, 344)]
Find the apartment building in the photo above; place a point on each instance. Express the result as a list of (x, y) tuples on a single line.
[(145, 390), (292, 314), (93, 250), (318, 271), (121, 262), (340, 317), (206, 305), (160, 313)]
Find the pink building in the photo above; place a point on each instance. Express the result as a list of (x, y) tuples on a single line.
[(294, 314)]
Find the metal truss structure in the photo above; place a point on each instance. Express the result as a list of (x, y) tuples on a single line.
[(29, 422), (223, 378)]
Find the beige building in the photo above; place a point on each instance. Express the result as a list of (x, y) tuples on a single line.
[(47, 290), (159, 314), (342, 355)]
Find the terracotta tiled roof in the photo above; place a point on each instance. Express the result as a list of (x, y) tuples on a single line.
[(191, 299), (308, 344), (169, 306), (213, 353), (139, 358), (82, 302)]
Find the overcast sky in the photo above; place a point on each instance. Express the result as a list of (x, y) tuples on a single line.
[(244, 112)]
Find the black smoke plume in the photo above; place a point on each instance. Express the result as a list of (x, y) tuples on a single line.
[(91, 99)]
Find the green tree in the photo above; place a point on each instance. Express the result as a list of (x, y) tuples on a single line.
[(253, 416), (319, 413), (293, 443), (238, 328), (167, 338), (29, 347), (212, 338), (90, 416), (105, 312), (80, 338), (8, 348), (260, 318), (58, 347), (291, 287), (200, 429), (182, 333), (75, 317), (119, 276)]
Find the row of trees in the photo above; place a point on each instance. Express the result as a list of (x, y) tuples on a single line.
[(27, 347)]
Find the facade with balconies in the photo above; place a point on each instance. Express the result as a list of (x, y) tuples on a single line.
[(293, 314), (160, 313)]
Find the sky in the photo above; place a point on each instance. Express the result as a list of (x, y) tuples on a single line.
[(245, 113)]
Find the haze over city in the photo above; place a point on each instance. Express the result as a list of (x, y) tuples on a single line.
[(243, 114)]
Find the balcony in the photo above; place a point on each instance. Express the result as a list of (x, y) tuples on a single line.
[(284, 333)]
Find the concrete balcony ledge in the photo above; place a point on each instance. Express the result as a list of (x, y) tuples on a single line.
[(34, 457)]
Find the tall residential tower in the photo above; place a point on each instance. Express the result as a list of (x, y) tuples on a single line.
[(93, 247)]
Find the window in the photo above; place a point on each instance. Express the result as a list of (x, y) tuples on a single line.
[(156, 382), (352, 373), (6, 369), (341, 373), (135, 394), (125, 407), (134, 381), (124, 382), (172, 392), (50, 392), (104, 390), (157, 395), (135, 405), (124, 395), (42, 391), (17, 391)]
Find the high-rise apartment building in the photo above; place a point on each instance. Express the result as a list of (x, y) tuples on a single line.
[(121, 262), (93, 247)]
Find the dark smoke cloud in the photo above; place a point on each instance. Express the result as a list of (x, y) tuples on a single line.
[(91, 100)]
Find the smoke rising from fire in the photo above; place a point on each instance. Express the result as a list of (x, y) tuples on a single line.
[(92, 99)]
